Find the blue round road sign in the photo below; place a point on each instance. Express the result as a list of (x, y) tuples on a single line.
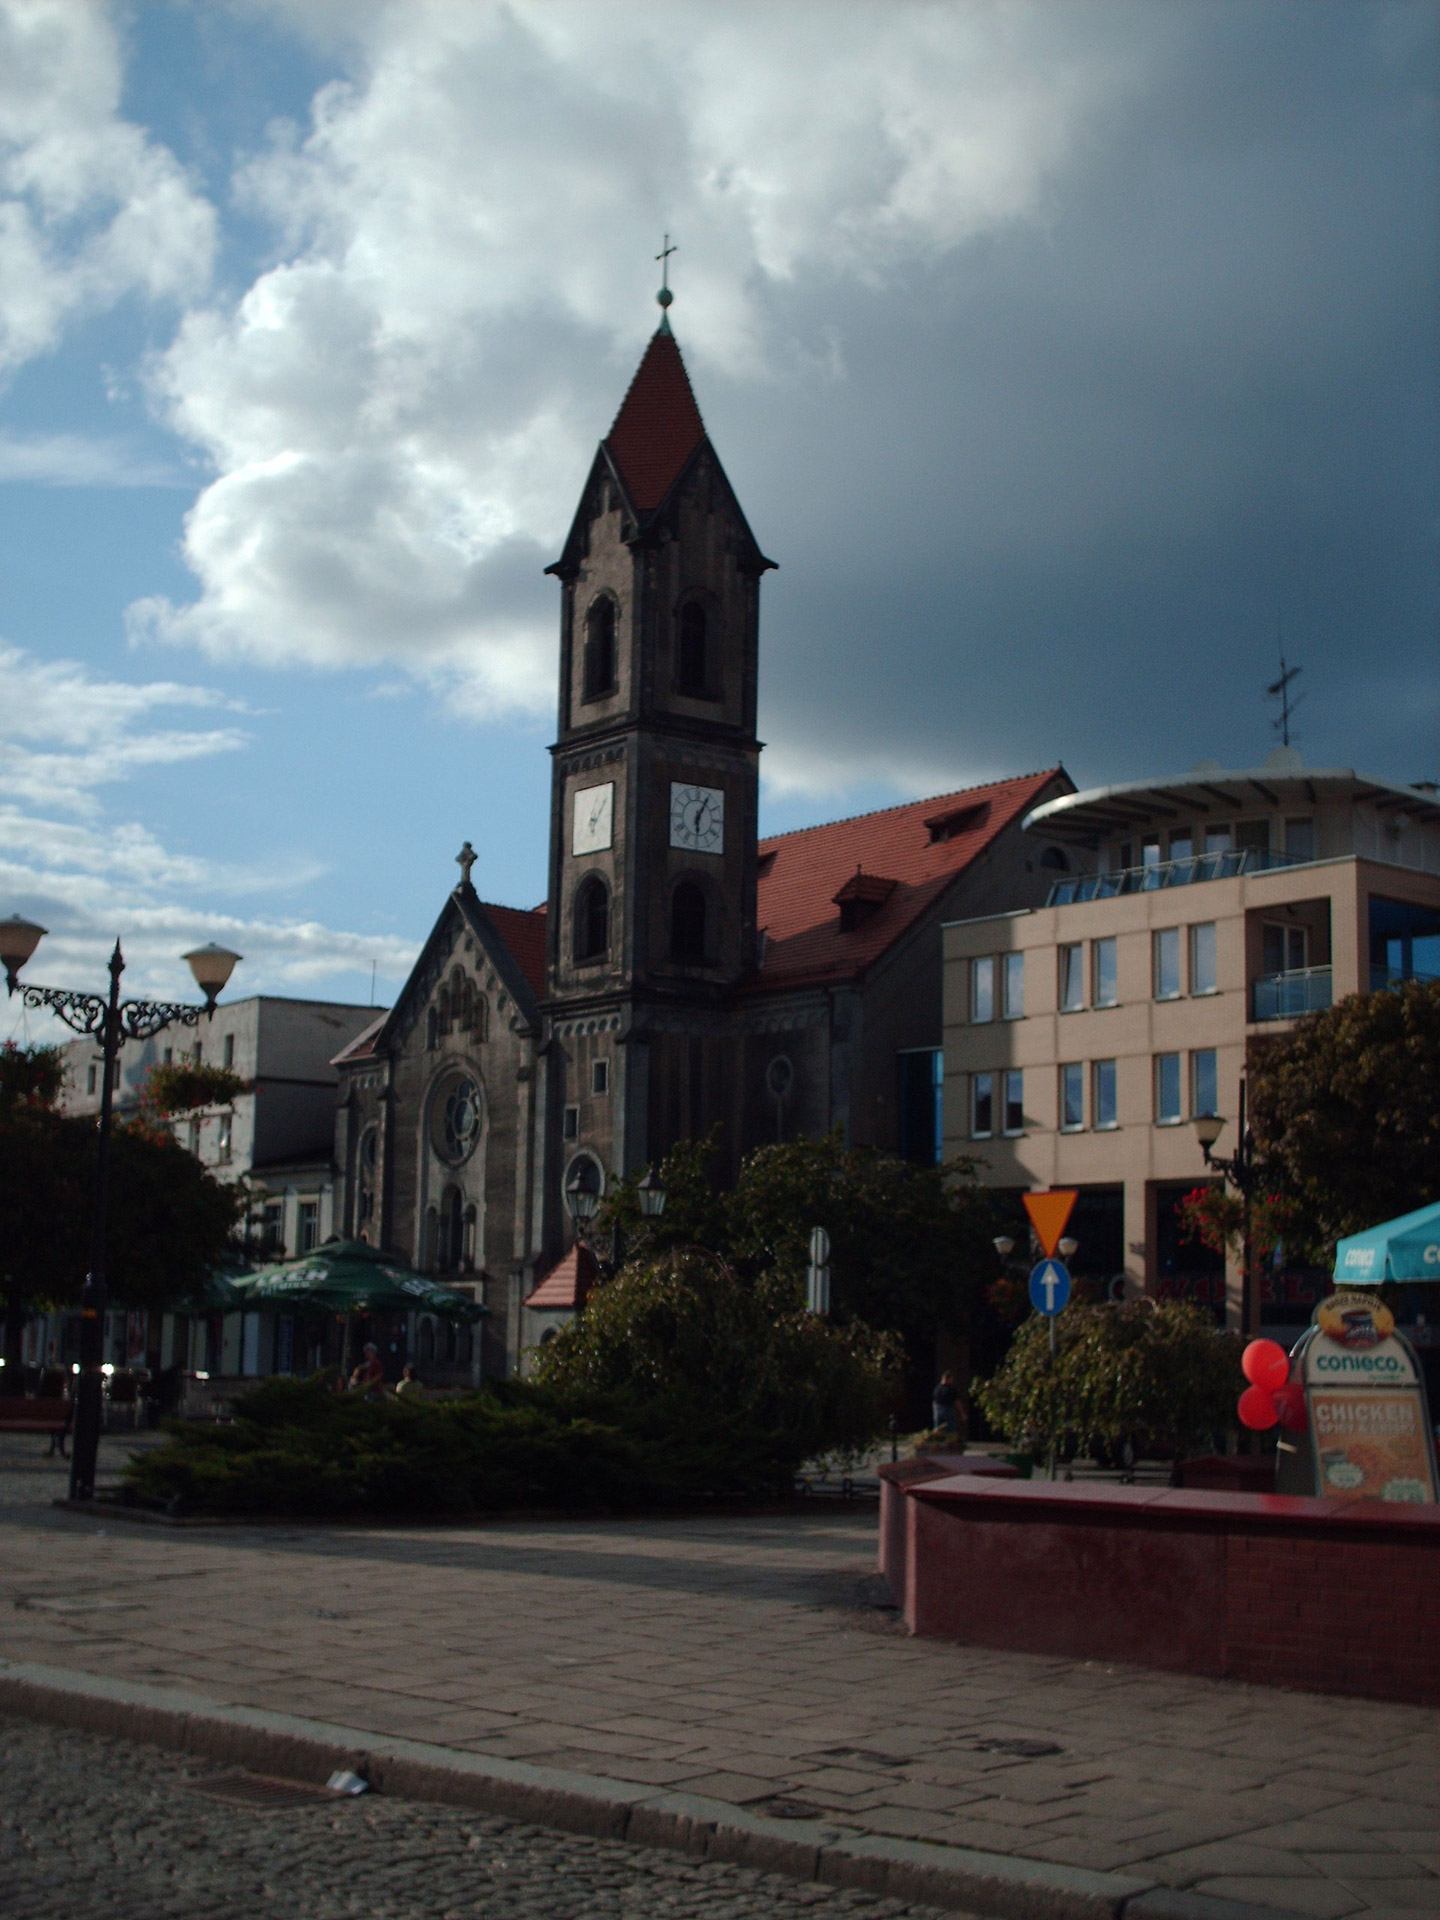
[(1049, 1286)]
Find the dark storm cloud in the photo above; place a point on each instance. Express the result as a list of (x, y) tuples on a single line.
[(1074, 476)]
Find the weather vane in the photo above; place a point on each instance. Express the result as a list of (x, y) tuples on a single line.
[(665, 296)]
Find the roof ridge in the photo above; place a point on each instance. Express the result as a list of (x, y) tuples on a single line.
[(901, 806)]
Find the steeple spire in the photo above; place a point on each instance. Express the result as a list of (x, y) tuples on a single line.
[(665, 296)]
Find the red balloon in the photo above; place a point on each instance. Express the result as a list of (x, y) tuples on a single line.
[(1265, 1363), (1290, 1405), (1257, 1408)]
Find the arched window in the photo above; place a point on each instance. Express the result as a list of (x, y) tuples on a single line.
[(691, 666), (592, 920), (467, 1245), (452, 1232), (365, 1182), (687, 922), (432, 1029), (1055, 858), (600, 650)]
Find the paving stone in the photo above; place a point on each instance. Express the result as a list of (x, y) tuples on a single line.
[(732, 1657)]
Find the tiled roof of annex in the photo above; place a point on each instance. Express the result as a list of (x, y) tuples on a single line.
[(658, 426), (921, 847), (568, 1282)]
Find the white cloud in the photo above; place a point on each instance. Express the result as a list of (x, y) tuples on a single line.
[(65, 732), (90, 208), (82, 874), (81, 460), (400, 410)]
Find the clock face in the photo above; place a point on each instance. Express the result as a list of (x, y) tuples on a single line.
[(697, 818), (592, 830)]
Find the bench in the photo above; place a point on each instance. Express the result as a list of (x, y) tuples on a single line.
[(30, 1414)]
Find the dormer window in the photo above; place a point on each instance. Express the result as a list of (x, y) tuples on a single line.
[(949, 826), (861, 898)]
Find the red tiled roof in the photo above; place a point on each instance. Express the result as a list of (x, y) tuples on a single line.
[(568, 1282), (658, 426), (523, 931), (362, 1047), (801, 875)]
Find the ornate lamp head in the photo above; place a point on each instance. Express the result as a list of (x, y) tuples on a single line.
[(212, 967), (18, 940)]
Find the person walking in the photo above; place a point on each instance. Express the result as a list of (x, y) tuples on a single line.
[(945, 1402)]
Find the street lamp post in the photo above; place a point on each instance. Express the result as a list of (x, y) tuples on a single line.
[(112, 1021), (582, 1201), (1239, 1169)]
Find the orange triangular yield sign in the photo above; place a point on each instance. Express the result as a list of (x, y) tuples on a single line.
[(1048, 1213)]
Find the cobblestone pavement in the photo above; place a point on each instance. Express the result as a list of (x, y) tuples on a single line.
[(737, 1658), (116, 1832)]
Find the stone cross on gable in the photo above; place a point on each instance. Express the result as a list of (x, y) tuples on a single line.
[(465, 860)]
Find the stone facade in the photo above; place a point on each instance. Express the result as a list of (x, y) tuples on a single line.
[(683, 977)]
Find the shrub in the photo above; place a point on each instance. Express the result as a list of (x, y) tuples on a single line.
[(1154, 1370)]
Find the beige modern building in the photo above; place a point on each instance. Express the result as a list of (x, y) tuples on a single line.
[(1199, 915)]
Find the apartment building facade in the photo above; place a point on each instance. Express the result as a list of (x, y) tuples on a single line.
[(1082, 1037)]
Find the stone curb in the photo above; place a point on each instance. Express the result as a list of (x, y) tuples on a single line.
[(959, 1878)]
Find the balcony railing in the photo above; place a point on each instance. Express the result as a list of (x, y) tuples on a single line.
[(1167, 873), (1285, 996)]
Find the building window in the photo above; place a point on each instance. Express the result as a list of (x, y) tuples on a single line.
[(1013, 1117), (687, 923), (1284, 949), (1104, 1107), (1167, 1089), (369, 1153), (1167, 963), (193, 1133), (599, 1076), (1299, 840), (1014, 986), (921, 1084), (982, 1106), (169, 1056), (222, 1145), (457, 1120), (600, 650), (1253, 836), (90, 1079), (309, 1226), (1072, 1097), (1104, 985), (1202, 957), (1204, 1082), (432, 1029), (1072, 978), (592, 920), (691, 665), (572, 1123), (229, 1057), (1182, 844), (982, 989)]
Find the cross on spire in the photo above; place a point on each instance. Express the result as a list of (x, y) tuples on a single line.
[(665, 296), (465, 860)]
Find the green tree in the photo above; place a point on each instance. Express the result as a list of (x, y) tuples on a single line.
[(169, 1219), (910, 1247), (1346, 1114), (734, 1371), (1155, 1370)]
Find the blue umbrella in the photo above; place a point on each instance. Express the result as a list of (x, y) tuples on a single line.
[(1407, 1248)]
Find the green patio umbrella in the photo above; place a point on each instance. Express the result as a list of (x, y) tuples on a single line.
[(346, 1276), (218, 1292)]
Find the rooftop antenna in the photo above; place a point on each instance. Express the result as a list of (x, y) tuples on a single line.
[(665, 297), (1280, 690)]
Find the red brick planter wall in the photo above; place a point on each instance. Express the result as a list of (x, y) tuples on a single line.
[(1342, 1598)]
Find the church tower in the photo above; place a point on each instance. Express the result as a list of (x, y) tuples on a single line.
[(654, 804)]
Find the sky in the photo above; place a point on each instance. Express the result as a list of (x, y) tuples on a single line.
[(1070, 358)]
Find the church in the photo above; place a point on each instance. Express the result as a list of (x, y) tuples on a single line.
[(683, 975)]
